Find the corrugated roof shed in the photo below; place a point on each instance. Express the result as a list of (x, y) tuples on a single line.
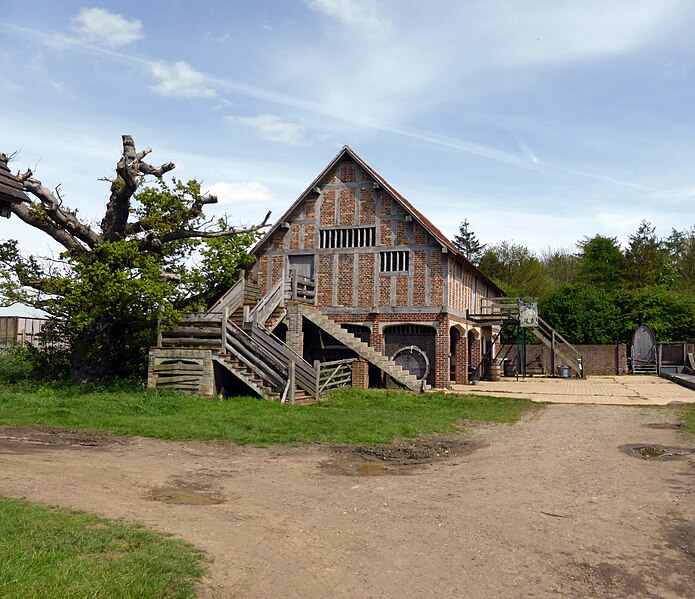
[(10, 188)]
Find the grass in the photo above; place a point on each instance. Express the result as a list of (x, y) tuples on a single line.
[(55, 553), (689, 419), (350, 416)]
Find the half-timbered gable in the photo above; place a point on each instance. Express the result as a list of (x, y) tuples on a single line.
[(380, 266), (351, 285), (367, 247)]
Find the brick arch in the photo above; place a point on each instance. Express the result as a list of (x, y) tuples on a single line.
[(424, 336)]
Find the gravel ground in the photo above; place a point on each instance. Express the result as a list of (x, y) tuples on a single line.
[(565, 503)]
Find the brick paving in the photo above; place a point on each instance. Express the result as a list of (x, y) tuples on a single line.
[(619, 390)]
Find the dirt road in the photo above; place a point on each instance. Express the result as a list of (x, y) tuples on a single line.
[(557, 505)]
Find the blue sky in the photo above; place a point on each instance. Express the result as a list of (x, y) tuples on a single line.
[(538, 121)]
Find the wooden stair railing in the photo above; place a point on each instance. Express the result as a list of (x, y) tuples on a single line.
[(232, 300), (260, 313), (270, 358), (558, 344)]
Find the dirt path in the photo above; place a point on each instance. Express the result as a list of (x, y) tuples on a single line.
[(557, 505)]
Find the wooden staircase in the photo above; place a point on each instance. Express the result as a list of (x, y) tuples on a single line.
[(364, 351), (508, 310), (238, 332)]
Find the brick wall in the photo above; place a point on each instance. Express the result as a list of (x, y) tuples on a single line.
[(598, 359)]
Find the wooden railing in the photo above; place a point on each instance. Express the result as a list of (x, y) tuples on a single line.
[(232, 300), (559, 344), (299, 288), (270, 358), (504, 306), (260, 313), (196, 329), (332, 375)]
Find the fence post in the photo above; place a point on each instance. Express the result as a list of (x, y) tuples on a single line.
[(659, 358), (317, 370), (159, 327), (225, 316), (290, 395)]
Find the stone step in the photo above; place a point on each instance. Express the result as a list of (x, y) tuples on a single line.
[(396, 372)]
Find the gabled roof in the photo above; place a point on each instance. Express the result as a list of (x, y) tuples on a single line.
[(346, 151)]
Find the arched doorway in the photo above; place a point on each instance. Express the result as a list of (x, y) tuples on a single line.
[(458, 355), (421, 337)]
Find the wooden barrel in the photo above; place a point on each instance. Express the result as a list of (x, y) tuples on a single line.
[(494, 372)]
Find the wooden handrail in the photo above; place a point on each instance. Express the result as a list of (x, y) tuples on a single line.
[(304, 372), (232, 299), (267, 305)]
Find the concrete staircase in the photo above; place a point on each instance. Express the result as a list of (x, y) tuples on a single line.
[(383, 363)]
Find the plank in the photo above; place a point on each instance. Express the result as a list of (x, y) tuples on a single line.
[(179, 379), (160, 368)]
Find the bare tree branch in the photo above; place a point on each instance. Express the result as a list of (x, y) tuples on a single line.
[(29, 215), (62, 219), (128, 169), (151, 242)]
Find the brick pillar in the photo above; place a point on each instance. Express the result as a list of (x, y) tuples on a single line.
[(476, 353), (360, 374), (376, 339), (461, 352), (441, 355), (295, 332)]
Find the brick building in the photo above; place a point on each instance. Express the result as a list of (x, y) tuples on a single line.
[(382, 270)]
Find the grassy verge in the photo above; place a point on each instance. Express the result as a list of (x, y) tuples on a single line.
[(350, 416), (689, 419), (54, 553)]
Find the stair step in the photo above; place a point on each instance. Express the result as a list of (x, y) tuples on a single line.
[(396, 372)]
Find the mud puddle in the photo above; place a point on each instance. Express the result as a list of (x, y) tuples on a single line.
[(182, 491), (405, 456), (20, 440), (656, 452)]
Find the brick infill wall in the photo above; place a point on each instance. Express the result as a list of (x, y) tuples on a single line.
[(598, 359)]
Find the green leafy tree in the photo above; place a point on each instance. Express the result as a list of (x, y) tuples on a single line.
[(583, 314), (468, 243), (561, 267), (515, 269), (646, 259), (154, 254), (601, 262), (680, 246)]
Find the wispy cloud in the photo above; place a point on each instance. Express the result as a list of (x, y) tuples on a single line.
[(98, 25), (353, 13), (241, 193), (179, 80), (271, 127), (210, 37)]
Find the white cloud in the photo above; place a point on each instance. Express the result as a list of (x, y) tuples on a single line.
[(179, 79), (100, 26), (241, 193), (271, 127), (353, 13), (209, 37)]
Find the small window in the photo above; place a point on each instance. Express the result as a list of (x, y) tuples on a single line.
[(353, 237), (398, 261)]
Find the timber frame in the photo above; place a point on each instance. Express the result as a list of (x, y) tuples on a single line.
[(352, 273)]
